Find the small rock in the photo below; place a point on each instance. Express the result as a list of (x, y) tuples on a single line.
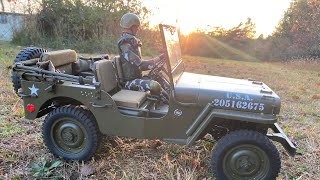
[(315, 97), (87, 170)]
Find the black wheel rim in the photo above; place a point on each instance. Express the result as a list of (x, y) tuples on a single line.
[(69, 136), (246, 161)]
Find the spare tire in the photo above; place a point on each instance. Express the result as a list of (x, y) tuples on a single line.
[(26, 54)]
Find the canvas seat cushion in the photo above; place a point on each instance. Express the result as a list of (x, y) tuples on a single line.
[(118, 66), (61, 57), (128, 98), (62, 60), (106, 75)]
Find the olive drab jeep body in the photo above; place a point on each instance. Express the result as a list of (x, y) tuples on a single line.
[(83, 97)]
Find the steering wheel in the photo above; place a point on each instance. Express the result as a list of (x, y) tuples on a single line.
[(156, 68), (155, 74)]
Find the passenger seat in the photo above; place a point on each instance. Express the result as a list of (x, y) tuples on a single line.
[(106, 75)]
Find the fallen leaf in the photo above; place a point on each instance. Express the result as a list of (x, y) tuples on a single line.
[(166, 158), (315, 97), (87, 170), (116, 141), (156, 144), (295, 97), (201, 169), (140, 145), (302, 89), (302, 113), (196, 163), (2, 172)]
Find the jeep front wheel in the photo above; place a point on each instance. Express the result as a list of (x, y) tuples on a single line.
[(245, 154), (71, 133)]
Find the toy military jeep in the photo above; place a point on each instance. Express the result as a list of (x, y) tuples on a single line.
[(83, 97)]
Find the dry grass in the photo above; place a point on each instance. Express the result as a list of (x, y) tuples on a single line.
[(298, 84)]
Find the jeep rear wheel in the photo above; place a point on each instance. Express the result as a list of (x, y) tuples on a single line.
[(245, 154), (71, 133), (26, 54)]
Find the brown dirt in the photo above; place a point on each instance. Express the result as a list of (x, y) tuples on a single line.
[(124, 158)]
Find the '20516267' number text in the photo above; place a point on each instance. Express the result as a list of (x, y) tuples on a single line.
[(238, 104)]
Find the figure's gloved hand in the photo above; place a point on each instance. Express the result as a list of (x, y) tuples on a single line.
[(158, 58), (151, 63), (162, 56)]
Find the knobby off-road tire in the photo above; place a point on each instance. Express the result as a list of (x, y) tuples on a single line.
[(245, 154), (26, 54), (71, 133)]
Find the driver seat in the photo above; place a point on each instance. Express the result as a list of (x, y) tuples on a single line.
[(119, 72), (106, 75)]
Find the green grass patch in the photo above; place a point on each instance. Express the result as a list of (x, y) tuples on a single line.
[(7, 53), (8, 129), (46, 169)]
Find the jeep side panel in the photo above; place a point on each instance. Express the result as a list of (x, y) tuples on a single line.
[(173, 125)]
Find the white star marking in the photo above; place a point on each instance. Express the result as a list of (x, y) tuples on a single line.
[(33, 90)]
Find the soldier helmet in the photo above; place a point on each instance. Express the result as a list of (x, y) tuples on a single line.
[(128, 20)]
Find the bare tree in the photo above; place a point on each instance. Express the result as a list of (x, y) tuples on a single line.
[(2, 5)]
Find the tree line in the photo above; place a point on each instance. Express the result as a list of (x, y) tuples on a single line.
[(236, 43), (84, 25), (93, 26)]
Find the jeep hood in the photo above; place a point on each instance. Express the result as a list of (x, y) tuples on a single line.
[(226, 93)]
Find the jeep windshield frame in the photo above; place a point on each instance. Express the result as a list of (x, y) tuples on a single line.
[(171, 45)]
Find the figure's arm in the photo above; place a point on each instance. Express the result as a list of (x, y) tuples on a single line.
[(129, 55)]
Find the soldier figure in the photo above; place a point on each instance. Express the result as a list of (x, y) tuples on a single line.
[(131, 60)]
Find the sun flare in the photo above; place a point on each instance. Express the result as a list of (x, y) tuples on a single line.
[(186, 29), (193, 15)]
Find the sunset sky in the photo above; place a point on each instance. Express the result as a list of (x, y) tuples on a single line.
[(225, 13), (192, 14)]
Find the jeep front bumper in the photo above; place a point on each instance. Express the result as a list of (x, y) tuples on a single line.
[(281, 137)]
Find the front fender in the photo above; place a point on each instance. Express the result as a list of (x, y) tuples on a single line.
[(282, 138), (209, 114)]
